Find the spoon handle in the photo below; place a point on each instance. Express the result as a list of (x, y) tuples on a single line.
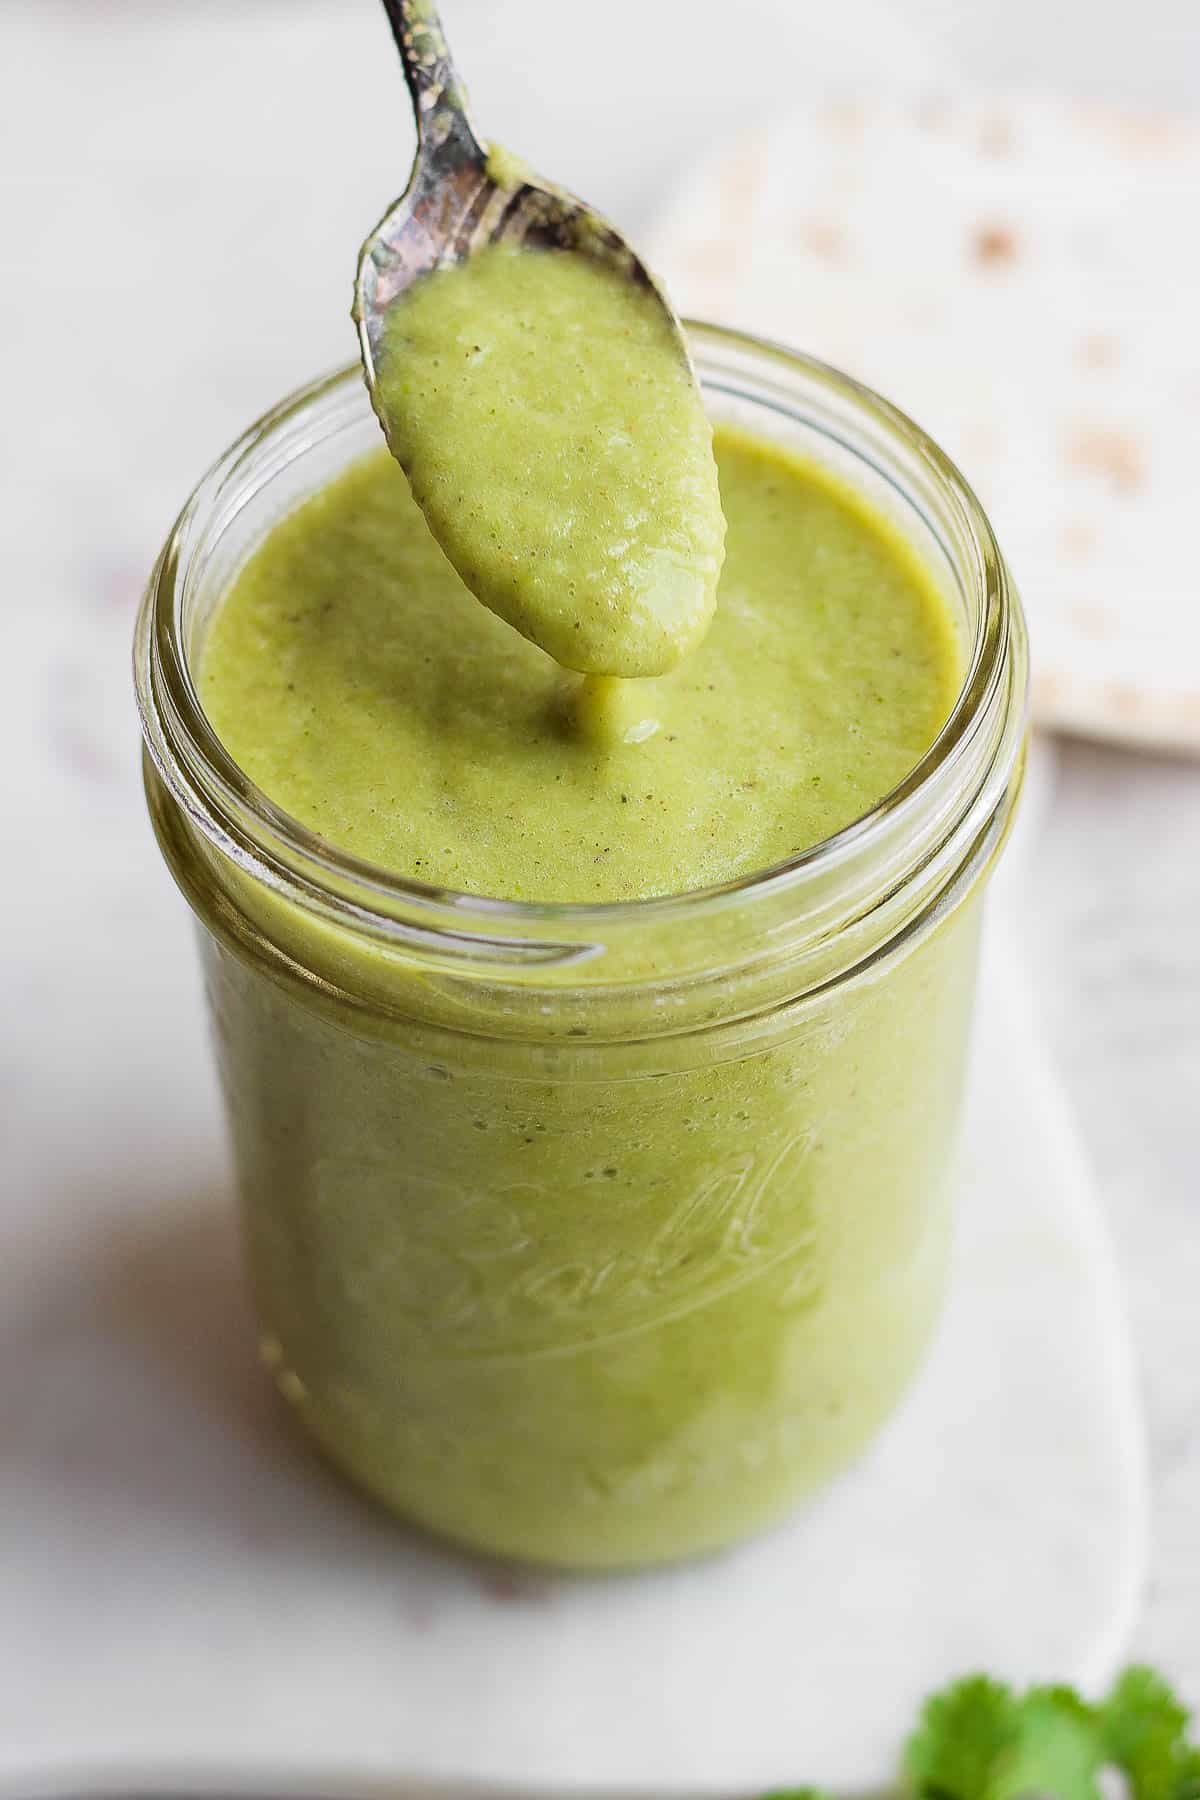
[(443, 113)]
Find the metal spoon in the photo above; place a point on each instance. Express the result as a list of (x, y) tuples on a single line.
[(461, 197)]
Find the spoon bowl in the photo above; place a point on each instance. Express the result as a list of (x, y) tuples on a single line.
[(464, 195)]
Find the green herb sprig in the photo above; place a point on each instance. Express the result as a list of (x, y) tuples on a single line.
[(981, 1740)]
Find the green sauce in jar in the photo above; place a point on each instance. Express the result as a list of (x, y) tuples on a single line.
[(581, 1301)]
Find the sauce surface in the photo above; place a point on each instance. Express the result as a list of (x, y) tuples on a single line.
[(359, 684), (555, 438)]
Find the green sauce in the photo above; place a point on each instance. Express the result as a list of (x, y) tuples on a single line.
[(554, 436), (357, 682), (587, 1299)]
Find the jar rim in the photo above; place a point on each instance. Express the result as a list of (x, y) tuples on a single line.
[(270, 844)]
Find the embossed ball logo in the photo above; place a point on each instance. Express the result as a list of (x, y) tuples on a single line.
[(469, 1273)]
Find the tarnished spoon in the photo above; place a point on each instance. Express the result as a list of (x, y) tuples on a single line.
[(461, 197)]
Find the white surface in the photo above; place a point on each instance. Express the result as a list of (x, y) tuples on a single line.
[(1109, 923), (111, 1125), (204, 1594)]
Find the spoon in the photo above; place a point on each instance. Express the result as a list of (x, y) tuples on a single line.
[(462, 196), (535, 387)]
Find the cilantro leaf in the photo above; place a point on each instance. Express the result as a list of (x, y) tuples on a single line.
[(979, 1740), (963, 1735), (1143, 1730), (1189, 1776), (1057, 1751)]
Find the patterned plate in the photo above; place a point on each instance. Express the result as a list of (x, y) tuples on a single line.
[(1023, 276)]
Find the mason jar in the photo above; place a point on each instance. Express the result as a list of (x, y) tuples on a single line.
[(594, 1234)]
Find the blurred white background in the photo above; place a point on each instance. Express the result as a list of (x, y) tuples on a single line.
[(182, 188)]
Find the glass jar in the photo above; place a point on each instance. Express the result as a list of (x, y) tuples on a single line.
[(594, 1234)]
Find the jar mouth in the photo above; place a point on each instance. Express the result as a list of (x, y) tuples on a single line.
[(964, 773)]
